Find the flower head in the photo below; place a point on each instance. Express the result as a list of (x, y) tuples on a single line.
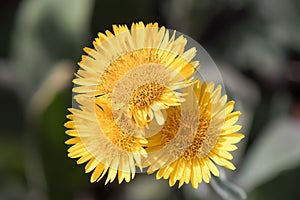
[(140, 70), (193, 140), (99, 141)]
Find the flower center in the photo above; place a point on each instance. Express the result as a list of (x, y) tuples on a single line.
[(196, 148), (146, 95), (189, 134), (121, 140), (122, 65)]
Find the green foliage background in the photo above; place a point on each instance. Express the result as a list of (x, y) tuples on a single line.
[(255, 44)]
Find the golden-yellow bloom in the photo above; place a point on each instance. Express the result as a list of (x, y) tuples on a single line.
[(197, 135), (98, 140), (127, 79), (138, 70)]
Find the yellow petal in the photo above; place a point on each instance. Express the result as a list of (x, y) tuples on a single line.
[(74, 140), (205, 172), (97, 172), (91, 165)]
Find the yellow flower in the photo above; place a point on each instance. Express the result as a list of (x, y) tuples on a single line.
[(98, 140), (141, 71), (197, 135), (122, 84)]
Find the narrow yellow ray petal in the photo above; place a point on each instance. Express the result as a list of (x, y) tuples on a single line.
[(194, 178), (212, 167), (231, 129), (180, 169), (205, 171), (127, 176), (97, 172), (91, 165), (232, 118), (232, 138), (70, 124), (172, 179), (160, 173), (75, 153), (70, 116), (227, 147), (132, 166), (228, 164), (76, 147), (112, 173), (74, 140), (216, 159), (181, 181), (84, 158), (187, 173), (159, 117), (229, 107), (223, 154), (73, 133), (197, 171), (168, 171)]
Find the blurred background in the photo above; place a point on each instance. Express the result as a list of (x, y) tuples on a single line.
[(255, 44)]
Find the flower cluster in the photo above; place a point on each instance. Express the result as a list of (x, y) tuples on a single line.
[(138, 103)]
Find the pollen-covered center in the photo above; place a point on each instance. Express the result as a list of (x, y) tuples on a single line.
[(119, 140), (146, 95), (123, 141), (128, 65), (189, 134), (200, 136)]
